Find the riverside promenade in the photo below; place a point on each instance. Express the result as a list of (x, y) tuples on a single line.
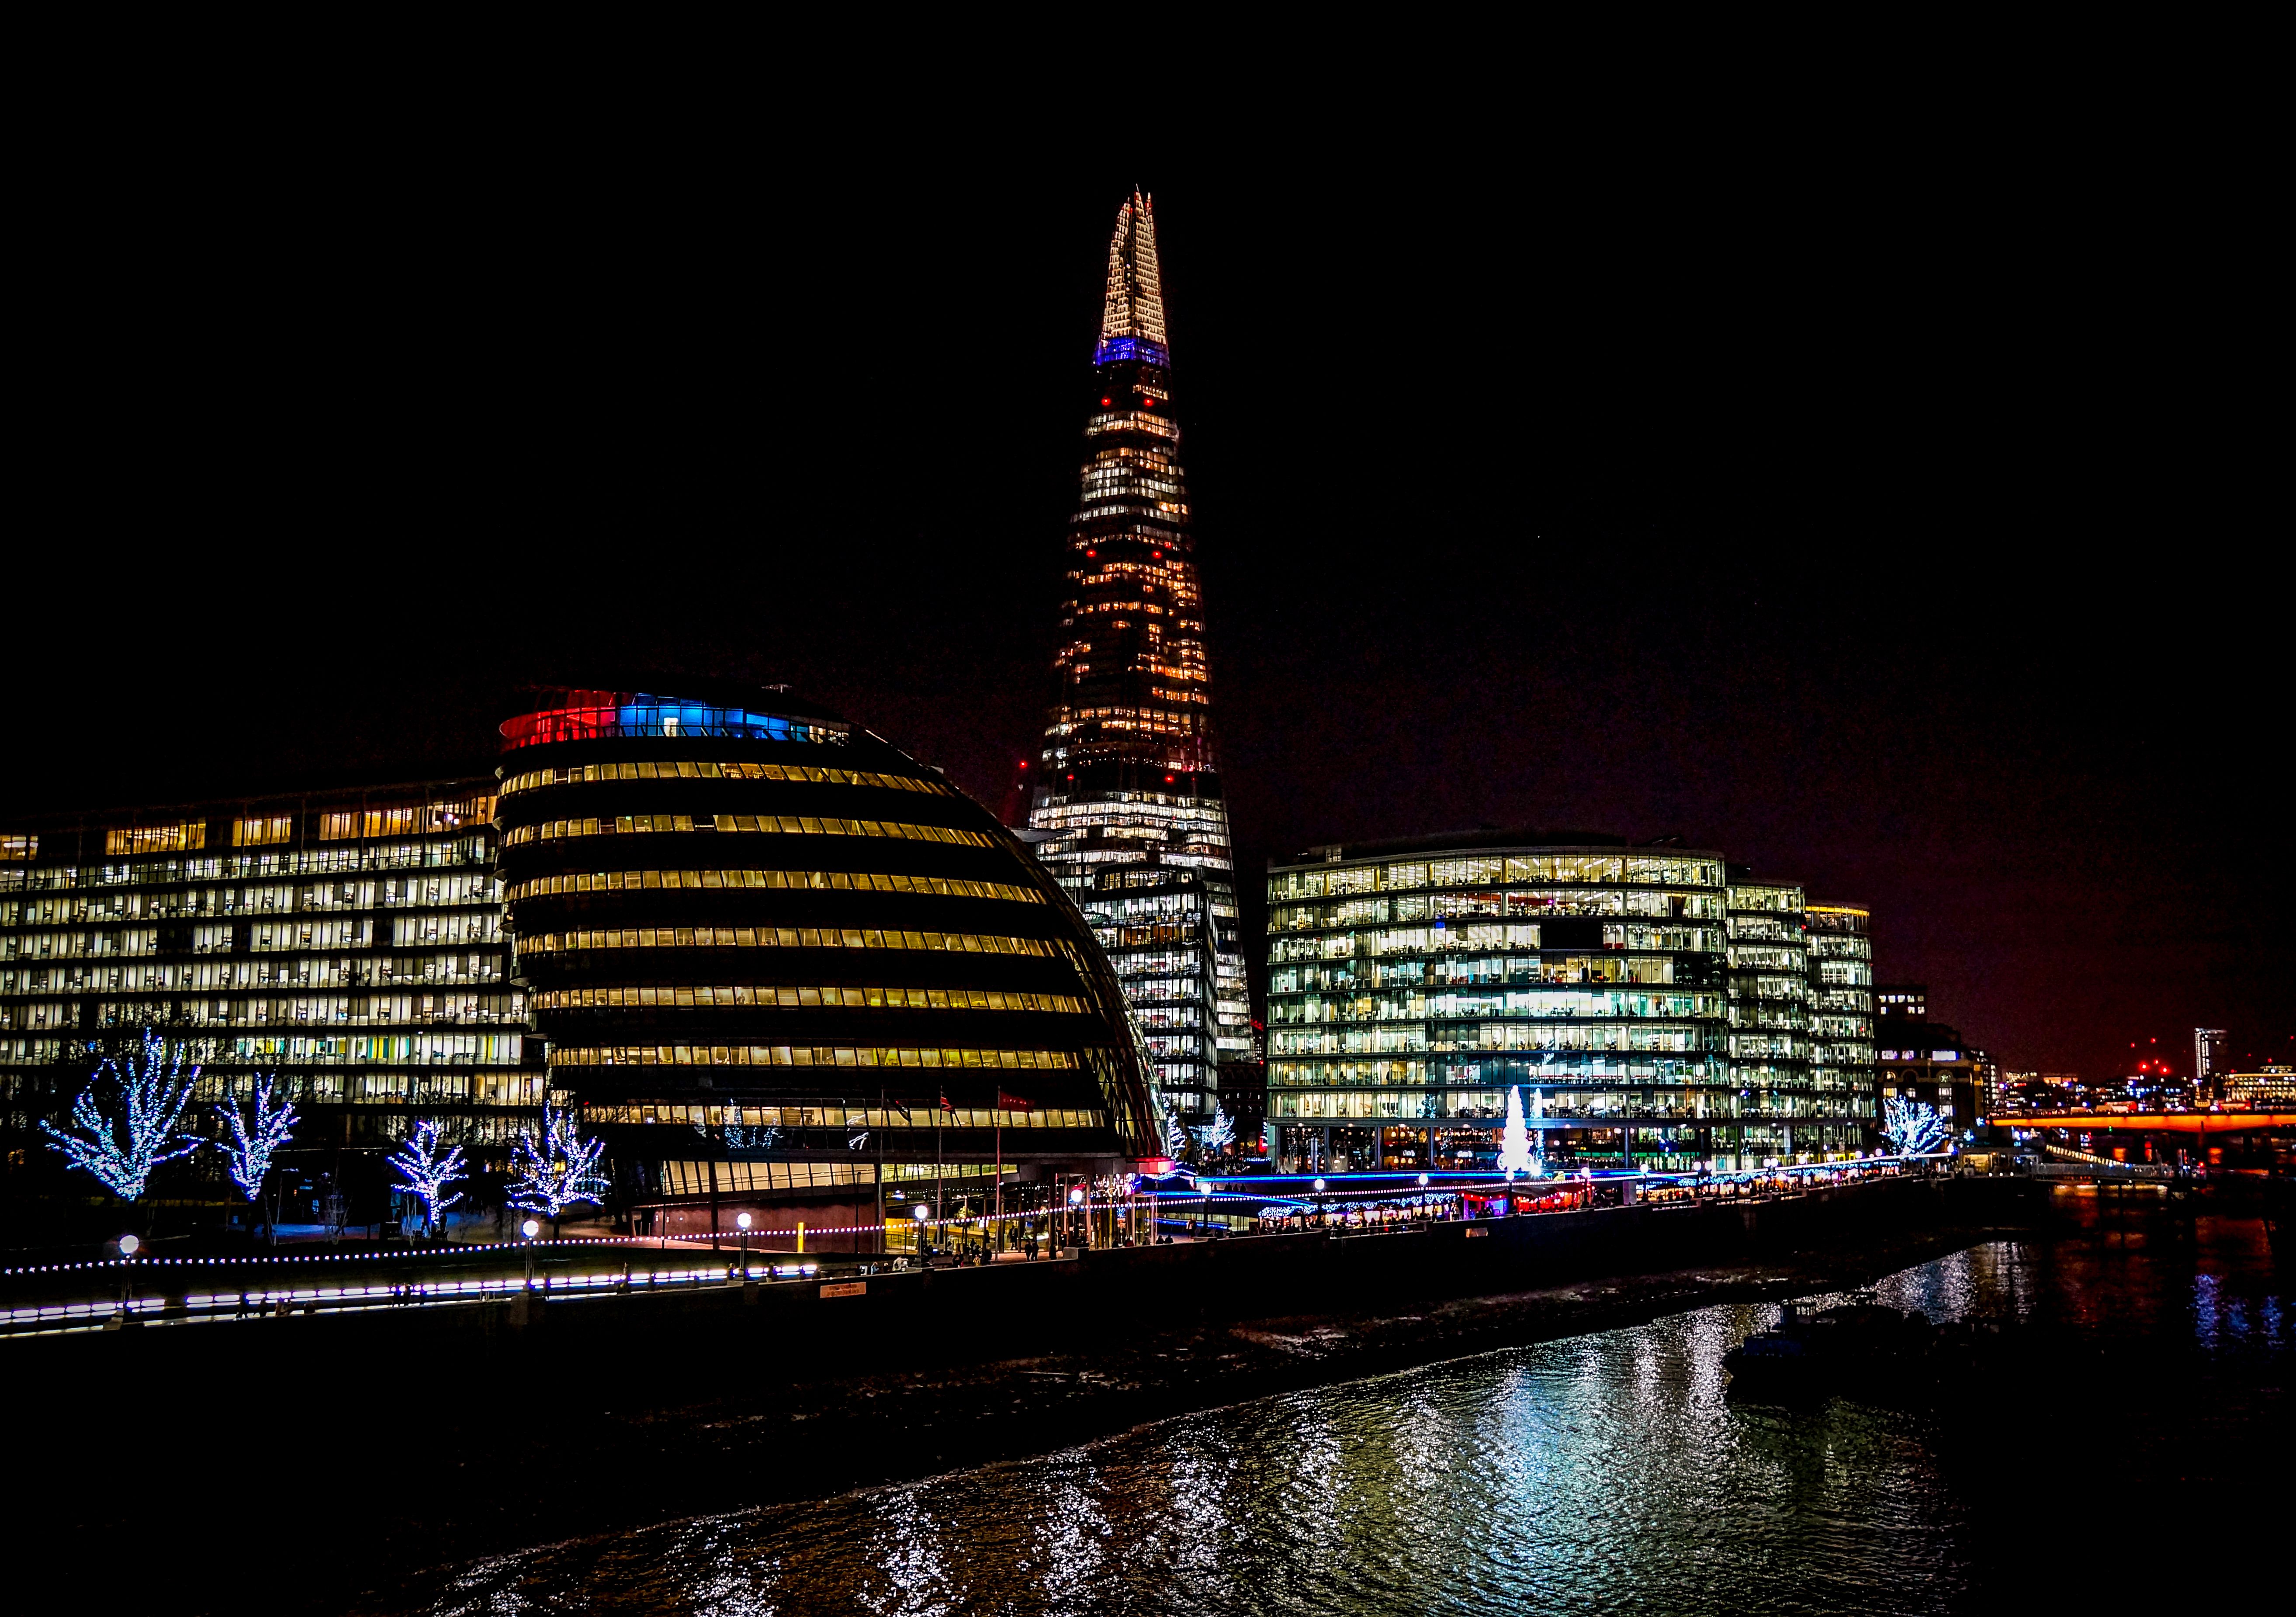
[(803, 1314), (369, 1441)]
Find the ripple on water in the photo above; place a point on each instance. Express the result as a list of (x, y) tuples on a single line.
[(1599, 1473)]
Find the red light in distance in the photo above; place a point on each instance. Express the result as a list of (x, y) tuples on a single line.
[(1105, 402)]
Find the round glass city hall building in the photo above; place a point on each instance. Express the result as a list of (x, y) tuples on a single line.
[(775, 959)]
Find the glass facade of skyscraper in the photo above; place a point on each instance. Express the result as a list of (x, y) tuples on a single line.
[(1128, 812), (1653, 1015)]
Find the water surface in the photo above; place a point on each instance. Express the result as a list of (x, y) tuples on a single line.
[(1600, 1474)]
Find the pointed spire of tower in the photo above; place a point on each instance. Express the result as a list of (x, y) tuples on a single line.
[(1132, 313)]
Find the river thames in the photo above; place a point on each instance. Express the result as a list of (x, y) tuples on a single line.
[(1598, 1473)]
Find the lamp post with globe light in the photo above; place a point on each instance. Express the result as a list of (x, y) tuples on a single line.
[(129, 1245), (741, 1222), (529, 1229), (1079, 1226)]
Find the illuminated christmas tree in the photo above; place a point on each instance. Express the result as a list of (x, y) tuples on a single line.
[(1514, 1140), (1911, 1127), (121, 1139), (1218, 1135), (428, 1171), (557, 1170), (256, 1135)]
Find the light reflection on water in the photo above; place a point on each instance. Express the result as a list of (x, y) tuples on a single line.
[(1594, 1475)]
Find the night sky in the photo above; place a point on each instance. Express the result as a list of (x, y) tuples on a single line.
[(1882, 526)]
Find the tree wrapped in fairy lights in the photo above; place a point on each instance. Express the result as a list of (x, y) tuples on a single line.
[(1911, 1127), (426, 1172), (1218, 1135), (559, 1170), (1176, 1137), (122, 1137), (256, 1134)]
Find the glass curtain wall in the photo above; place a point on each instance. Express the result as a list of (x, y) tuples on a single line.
[(349, 944), (1411, 986), (1128, 812), (1842, 1012)]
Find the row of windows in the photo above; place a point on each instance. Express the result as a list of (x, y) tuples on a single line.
[(747, 1179), (803, 1055), (178, 976), (388, 893), (386, 1010), (1600, 1069), (1612, 869), (1512, 1002), (1407, 1036), (189, 836), (703, 1116), (1350, 974), (1134, 420), (782, 937), (1442, 1104), (1378, 912), (824, 881), (869, 999), (473, 850), (406, 931), (417, 1085), (1482, 936), (787, 825), (708, 770)]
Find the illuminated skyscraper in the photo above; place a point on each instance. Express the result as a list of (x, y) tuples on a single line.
[(1129, 802)]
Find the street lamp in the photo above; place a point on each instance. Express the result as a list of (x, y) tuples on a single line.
[(529, 1229), (1076, 1207), (743, 1223), (128, 1245)]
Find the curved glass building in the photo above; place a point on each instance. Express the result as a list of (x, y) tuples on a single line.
[(774, 958)]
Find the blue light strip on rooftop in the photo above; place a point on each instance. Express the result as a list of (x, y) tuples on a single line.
[(1114, 350)]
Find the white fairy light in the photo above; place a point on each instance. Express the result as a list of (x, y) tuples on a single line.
[(254, 1138), (121, 1151), (426, 1173), (559, 1171)]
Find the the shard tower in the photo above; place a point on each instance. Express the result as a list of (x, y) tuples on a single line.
[(1128, 804)]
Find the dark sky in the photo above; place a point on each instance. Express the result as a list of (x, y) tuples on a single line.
[(1878, 518)]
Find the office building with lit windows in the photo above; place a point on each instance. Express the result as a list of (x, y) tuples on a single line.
[(775, 959), (1654, 1013), (1769, 994), (1127, 810), (1841, 1003), (348, 943)]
